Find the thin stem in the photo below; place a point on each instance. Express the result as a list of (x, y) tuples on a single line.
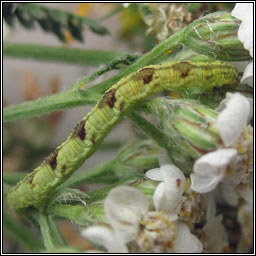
[(59, 54), (66, 99), (46, 231), (59, 241)]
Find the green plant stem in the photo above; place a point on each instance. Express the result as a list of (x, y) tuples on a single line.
[(59, 241), (59, 54), (75, 97), (45, 228), (66, 99), (18, 231)]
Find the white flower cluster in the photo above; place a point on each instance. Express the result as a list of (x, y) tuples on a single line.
[(231, 165), (134, 228), (167, 226), (244, 12), (166, 18)]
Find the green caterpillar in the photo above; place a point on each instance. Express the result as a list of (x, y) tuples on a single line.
[(36, 188)]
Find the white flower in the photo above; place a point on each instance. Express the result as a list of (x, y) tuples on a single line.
[(124, 207), (244, 12), (233, 118), (169, 192), (106, 237), (231, 165), (210, 169), (173, 194), (127, 212)]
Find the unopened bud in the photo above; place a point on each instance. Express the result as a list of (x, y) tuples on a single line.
[(191, 128), (215, 35), (137, 156)]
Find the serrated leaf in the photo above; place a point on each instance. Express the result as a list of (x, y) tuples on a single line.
[(44, 24), (24, 19), (8, 9), (35, 12), (75, 28), (50, 20)]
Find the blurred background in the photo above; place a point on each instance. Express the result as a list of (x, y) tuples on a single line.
[(28, 142)]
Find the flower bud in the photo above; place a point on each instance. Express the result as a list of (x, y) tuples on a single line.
[(215, 35), (191, 128), (137, 156)]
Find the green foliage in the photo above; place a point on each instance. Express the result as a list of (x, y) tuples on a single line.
[(50, 20)]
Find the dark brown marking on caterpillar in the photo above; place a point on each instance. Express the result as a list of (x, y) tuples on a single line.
[(93, 139), (156, 85), (108, 98), (31, 181), (63, 168), (185, 62), (146, 74), (121, 106), (80, 130), (185, 73), (52, 160), (186, 66), (147, 79), (208, 77)]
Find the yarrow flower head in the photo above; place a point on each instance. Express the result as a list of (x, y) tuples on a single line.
[(133, 226), (244, 12), (164, 19), (231, 164)]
